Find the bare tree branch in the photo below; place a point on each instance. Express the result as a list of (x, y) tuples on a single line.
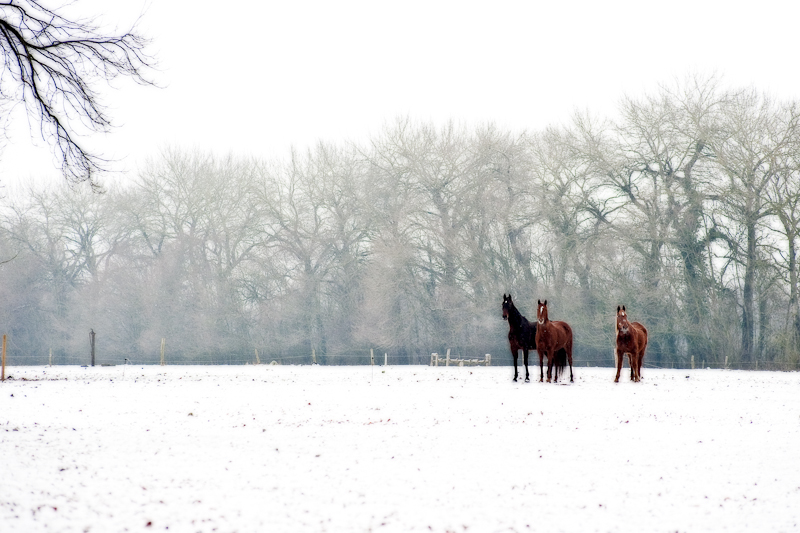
[(51, 64)]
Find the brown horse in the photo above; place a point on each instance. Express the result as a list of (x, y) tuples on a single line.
[(631, 340), (553, 340), (521, 334)]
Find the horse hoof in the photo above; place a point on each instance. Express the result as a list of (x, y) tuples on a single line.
[(515, 379), (527, 380), (548, 380)]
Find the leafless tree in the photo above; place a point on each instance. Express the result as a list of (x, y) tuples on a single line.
[(784, 198), (756, 135), (51, 63)]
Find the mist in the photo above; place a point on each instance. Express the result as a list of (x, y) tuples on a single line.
[(684, 206)]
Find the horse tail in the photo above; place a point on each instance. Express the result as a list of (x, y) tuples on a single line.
[(560, 361)]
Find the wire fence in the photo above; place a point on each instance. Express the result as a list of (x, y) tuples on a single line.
[(17, 357), (473, 355)]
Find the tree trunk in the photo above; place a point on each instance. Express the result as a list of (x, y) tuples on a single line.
[(748, 321), (794, 308)]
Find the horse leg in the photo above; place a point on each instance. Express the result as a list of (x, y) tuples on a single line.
[(632, 361), (639, 363), (549, 364), (525, 356), (620, 356), (638, 357), (541, 366), (569, 359), (516, 356), (555, 366)]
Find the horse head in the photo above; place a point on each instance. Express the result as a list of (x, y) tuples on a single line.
[(622, 320), (507, 306), (541, 312)]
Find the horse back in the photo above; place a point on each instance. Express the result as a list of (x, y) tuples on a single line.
[(564, 329), (641, 332)]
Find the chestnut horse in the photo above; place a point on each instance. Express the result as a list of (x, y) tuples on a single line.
[(521, 334), (631, 340), (553, 340)]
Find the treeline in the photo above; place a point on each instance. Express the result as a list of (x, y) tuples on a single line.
[(685, 208)]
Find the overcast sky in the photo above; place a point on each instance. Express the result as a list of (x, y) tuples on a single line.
[(255, 78)]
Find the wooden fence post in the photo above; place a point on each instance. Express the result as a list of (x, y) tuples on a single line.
[(258, 361), (692, 362), (726, 362), (4, 357), (91, 341), (448, 357), (163, 345), (313, 356), (488, 359), (385, 359), (371, 357)]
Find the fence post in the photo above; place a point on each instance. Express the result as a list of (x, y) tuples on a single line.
[(371, 357), (313, 356), (692, 362), (4, 357), (385, 359), (726, 362), (163, 345), (488, 359), (258, 361), (435, 357), (91, 341), (448, 357)]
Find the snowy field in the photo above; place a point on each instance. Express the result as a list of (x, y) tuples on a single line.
[(300, 448)]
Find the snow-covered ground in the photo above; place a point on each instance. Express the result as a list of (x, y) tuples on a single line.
[(300, 448)]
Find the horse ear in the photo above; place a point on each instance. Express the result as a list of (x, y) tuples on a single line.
[(618, 309), (539, 302), (545, 302), (623, 307)]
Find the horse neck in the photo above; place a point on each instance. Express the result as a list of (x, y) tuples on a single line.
[(514, 318)]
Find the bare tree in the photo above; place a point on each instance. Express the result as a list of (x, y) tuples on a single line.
[(50, 64), (756, 136), (784, 197)]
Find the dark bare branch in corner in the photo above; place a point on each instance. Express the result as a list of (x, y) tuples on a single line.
[(52, 63)]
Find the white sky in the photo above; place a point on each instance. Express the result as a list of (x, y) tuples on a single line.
[(254, 78)]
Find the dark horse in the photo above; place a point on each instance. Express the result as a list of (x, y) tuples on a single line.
[(554, 340), (631, 340), (521, 334)]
